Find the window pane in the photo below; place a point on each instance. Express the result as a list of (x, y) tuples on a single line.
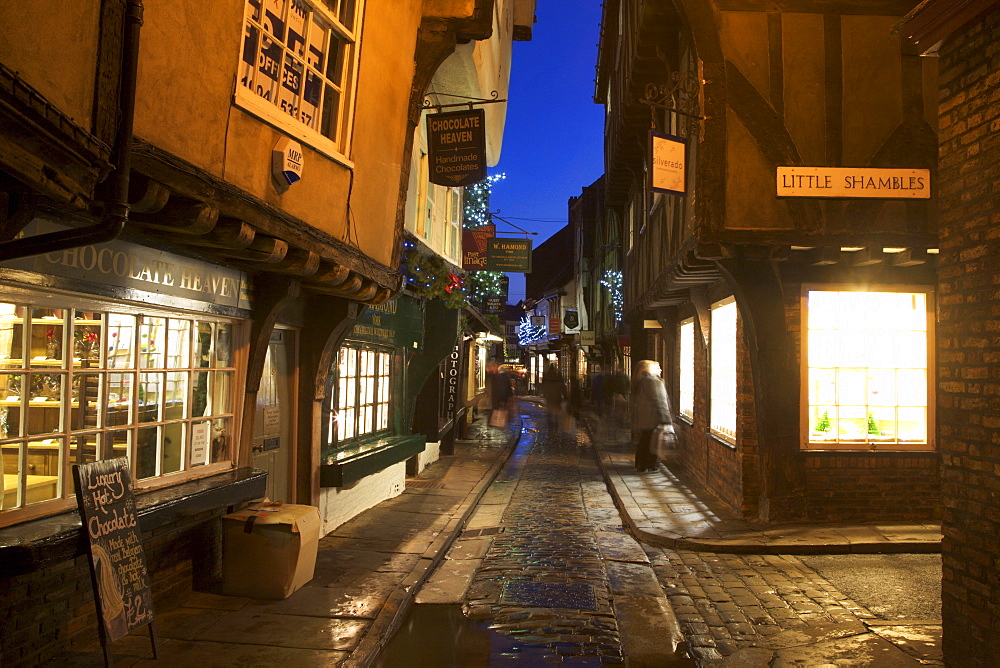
[(179, 344), (223, 345), (44, 478), (11, 335), (222, 442), (47, 337), (119, 412), (86, 400), (150, 394), (173, 446), (146, 452), (83, 448), (87, 339), (204, 335), (121, 341), (44, 414), (10, 406), (116, 444), (152, 335), (222, 392), (201, 406), (175, 396)]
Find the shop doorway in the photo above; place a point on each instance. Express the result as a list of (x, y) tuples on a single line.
[(274, 422)]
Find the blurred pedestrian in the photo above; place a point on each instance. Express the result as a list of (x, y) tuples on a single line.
[(650, 409), (553, 390), (501, 394)]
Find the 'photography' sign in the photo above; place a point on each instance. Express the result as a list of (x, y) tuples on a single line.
[(456, 147)]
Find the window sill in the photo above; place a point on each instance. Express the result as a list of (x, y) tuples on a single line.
[(37, 544), (363, 460)]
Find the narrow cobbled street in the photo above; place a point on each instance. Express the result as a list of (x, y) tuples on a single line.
[(549, 566)]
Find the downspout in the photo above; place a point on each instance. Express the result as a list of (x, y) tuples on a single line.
[(115, 213)]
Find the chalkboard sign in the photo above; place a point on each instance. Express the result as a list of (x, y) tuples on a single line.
[(117, 561)]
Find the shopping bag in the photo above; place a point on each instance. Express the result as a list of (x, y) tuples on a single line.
[(665, 440), (498, 418)]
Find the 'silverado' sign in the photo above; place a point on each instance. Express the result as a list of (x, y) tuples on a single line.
[(456, 147)]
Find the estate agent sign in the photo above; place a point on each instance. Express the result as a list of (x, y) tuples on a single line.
[(456, 147), (509, 255), (853, 182)]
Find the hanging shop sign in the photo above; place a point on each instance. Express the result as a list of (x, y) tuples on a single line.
[(474, 242), (588, 337), (511, 255), (493, 304), (853, 182), (668, 157), (555, 326), (456, 147), (571, 320), (118, 572), (398, 323)]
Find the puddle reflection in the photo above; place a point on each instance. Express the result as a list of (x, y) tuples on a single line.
[(441, 635)]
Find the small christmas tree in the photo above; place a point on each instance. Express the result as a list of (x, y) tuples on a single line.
[(872, 427), (824, 422)]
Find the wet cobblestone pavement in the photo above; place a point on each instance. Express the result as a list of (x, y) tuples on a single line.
[(547, 579)]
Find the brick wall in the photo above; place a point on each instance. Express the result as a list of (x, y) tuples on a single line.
[(969, 342), (859, 487), (42, 612)]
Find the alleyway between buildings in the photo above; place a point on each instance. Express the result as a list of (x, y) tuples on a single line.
[(530, 535)]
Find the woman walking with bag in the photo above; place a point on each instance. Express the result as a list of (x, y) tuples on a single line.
[(650, 409)]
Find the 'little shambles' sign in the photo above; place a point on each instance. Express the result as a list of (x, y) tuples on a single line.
[(456, 147), (854, 182), (513, 255), (117, 562)]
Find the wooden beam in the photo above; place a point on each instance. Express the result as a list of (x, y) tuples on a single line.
[(910, 257), (263, 249), (146, 195), (229, 233), (867, 257), (331, 273), (183, 218), (822, 255), (298, 262)]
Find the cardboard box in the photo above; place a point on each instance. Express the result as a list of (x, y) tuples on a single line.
[(269, 550)]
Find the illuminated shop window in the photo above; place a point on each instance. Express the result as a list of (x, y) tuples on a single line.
[(686, 368), (867, 368), (78, 386), (363, 393), (297, 66), (723, 361)]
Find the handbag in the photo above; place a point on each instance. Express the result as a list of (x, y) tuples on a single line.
[(498, 418), (665, 440)]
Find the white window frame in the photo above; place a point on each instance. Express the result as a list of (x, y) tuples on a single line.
[(336, 145), (902, 377), (361, 406), (126, 397), (723, 363), (685, 368)]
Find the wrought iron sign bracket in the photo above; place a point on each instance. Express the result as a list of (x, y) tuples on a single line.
[(680, 98), (472, 101)]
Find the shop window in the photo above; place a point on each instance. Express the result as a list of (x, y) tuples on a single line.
[(297, 67), (363, 393), (78, 386), (686, 368), (866, 362), (723, 363)]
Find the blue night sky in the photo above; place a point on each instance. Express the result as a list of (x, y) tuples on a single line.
[(553, 142)]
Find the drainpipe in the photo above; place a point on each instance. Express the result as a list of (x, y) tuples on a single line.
[(116, 205)]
